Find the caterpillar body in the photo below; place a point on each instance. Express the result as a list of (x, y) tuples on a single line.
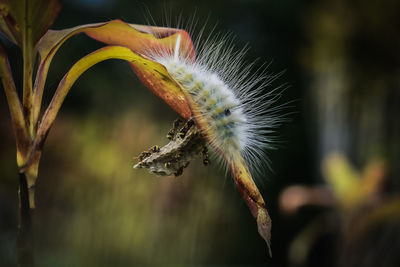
[(231, 100)]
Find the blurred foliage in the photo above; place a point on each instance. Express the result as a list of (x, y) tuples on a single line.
[(361, 209), (342, 62)]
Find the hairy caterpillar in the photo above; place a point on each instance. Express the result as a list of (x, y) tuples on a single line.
[(238, 112)]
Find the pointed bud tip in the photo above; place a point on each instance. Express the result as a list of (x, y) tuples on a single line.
[(264, 224)]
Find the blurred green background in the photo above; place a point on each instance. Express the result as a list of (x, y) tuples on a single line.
[(341, 62)]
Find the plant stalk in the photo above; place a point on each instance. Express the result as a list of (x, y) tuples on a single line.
[(25, 233)]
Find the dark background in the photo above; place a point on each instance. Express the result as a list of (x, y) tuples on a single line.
[(341, 65)]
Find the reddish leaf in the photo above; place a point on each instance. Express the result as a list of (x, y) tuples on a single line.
[(141, 38), (251, 196)]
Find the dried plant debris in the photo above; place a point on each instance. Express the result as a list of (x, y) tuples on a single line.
[(186, 142)]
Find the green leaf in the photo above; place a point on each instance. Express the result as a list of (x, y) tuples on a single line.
[(14, 104), (27, 20), (24, 22), (8, 24)]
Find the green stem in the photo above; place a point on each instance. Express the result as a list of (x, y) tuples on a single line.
[(25, 234)]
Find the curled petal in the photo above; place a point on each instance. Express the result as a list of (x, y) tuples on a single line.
[(142, 38)]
